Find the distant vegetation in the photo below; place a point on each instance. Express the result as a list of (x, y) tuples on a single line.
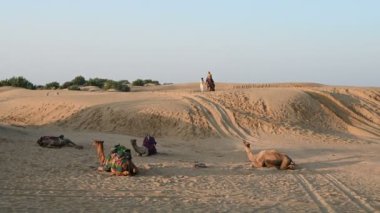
[(140, 82), (52, 85), (17, 82), (78, 82)]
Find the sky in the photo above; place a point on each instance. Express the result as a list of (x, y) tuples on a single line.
[(177, 41)]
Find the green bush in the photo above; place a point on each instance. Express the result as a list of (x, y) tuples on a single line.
[(117, 85), (138, 82), (149, 81), (124, 82), (99, 82), (123, 86), (79, 80), (18, 82), (52, 85)]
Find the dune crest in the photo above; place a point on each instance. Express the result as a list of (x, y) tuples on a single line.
[(242, 112)]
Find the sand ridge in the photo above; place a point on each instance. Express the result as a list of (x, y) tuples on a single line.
[(241, 113)]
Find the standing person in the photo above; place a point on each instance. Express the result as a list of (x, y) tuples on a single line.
[(210, 82), (201, 84), (209, 75)]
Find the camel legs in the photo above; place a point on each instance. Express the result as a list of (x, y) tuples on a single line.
[(255, 164)]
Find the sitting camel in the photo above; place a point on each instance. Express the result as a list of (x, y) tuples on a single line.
[(269, 158), (148, 147), (118, 162), (141, 150), (56, 142)]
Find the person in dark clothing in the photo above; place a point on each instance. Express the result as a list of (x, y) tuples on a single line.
[(210, 82), (148, 147), (150, 144)]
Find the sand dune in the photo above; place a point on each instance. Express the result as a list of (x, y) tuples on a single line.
[(228, 113), (333, 133)]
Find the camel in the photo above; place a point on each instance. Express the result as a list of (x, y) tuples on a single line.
[(100, 151), (118, 162), (148, 147), (56, 142), (141, 150), (269, 158), (210, 84)]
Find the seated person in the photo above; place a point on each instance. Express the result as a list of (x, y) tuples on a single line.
[(150, 144)]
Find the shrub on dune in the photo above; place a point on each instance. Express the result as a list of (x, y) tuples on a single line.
[(18, 82)]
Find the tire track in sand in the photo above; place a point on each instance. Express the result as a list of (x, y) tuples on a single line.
[(312, 192), (327, 192), (345, 114), (349, 193), (220, 118), (209, 116), (226, 118)]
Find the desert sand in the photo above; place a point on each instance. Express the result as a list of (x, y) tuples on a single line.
[(332, 133)]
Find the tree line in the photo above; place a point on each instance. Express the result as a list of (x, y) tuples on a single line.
[(77, 83)]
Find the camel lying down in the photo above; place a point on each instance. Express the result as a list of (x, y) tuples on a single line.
[(269, 158), (140, 150), (56, 142), (148, 147), (118, 162)]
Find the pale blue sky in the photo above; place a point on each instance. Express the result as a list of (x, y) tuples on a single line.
[(331, 42)]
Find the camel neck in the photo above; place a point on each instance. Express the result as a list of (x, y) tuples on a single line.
[(250, 154)]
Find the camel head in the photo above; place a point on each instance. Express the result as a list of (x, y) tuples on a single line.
[(292, 165), (246, 144)]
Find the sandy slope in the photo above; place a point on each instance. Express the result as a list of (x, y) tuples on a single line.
[(333, 133)]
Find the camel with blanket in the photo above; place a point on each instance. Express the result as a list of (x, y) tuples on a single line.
[(118, 162)]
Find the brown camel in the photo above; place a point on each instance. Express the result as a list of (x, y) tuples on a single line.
[(269, 158), (100, 151)]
